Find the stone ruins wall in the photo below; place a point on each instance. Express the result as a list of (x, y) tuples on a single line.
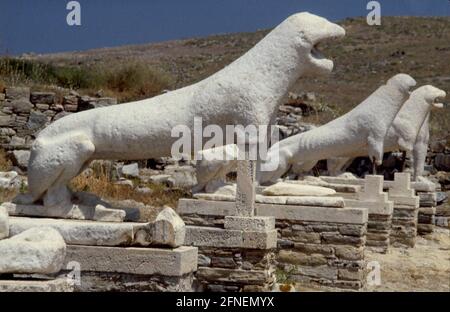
[(24, 113)]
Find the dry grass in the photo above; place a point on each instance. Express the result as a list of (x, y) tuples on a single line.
[(7, 195), (100, 184), (5, 163)]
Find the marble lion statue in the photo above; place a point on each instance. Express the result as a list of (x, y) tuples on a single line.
[(363, 128), (409, 131), (246, 92)]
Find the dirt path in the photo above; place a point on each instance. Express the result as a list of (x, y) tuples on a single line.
[(423, 268)]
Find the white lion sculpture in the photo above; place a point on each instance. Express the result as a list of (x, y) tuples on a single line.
[(246, 92), (364, 127), (409, 131)]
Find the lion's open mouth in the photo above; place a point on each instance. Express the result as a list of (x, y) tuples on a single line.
[(438, 102), (316, 53), (318, 58)]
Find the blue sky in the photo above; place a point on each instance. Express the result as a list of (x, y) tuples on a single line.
[(40, 25)]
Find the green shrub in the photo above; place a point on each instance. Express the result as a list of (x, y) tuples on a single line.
[(71, 77), (127, 81)]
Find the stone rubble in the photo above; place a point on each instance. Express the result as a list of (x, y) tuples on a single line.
[(11, 181), (39, 250), (406, 209)]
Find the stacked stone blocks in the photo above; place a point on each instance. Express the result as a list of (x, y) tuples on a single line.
[(24, 113), (380, 211), (322, 245), (406, 209)]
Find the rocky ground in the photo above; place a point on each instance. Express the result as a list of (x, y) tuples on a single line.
[(426, 267)]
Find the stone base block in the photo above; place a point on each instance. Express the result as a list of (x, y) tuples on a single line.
[(323, 239), (101, 282), (427, 199), (235, 269), (261, 224), (167, 230), (324, 253), (418, 186), (423, 229), (322, 181), (85, 206), (209, 236), (279, 211), (426, 220), (77, 232), (138, 261), (379, 208), (405, 201), (378, 232), (404, 226), (237, 276), (61, 284), (442, 217)]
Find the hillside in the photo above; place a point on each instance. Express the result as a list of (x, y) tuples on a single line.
[(367, 56)]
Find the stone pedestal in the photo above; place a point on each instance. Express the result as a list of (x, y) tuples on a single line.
[(427, 212), (380, 210), (322, 251), (238, 257), (442, 217), (315, 244), (60, 284), (428, 215), (245, 188), (236, 253), (406, 208), (133, 269), (420, 186)]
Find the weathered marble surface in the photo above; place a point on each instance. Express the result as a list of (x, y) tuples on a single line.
[(365, 126), (290, 189), (409, 130), (131, 260), (37, 250), (61, 284)]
